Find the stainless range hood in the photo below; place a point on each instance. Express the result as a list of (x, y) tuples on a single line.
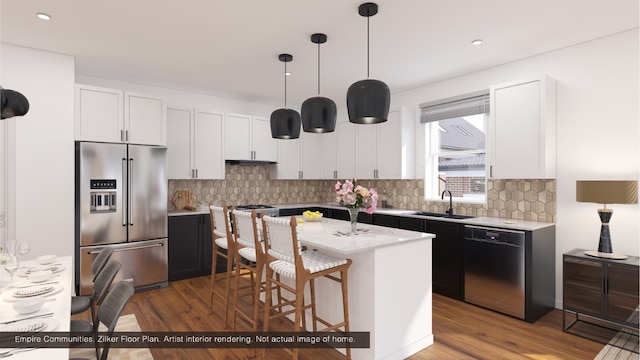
[(249, 162)]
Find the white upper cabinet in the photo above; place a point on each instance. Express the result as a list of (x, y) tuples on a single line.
[(288, 166), (328, 152), (195, 144), (346, 150), (522, 129), (249, 138), (180, 123), (386, 150), (145, 120), (310, 154), (208, 153), (111, 115), (304, 158)]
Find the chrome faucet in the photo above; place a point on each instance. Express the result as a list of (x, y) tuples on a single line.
[(447, 191)]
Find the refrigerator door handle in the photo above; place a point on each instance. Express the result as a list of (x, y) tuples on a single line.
[(127, 248), (130, 192), (124, 172)]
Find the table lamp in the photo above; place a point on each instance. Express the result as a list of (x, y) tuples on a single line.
[(606, 192)]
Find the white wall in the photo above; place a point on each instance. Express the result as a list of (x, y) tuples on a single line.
[(42, 152), (598, 130)]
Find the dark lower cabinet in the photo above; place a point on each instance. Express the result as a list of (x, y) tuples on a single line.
[(603, 289), (447, 258), (190, 247)]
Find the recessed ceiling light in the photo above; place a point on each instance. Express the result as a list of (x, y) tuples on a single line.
[(476, 42), (43, 16)]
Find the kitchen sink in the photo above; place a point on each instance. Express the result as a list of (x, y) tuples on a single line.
[(443, 215)]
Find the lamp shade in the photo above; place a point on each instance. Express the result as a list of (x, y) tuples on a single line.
[(285, 124), (607, 192), (319, 115), (368, 102)]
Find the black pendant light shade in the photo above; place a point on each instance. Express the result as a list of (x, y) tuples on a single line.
[(368, 100), (285, 123), (12, 103), (319, 113)]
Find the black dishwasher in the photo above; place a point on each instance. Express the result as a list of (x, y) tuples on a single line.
[(494, 269)]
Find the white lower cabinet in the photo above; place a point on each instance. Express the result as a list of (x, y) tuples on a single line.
[(522, 129), (195, 144)]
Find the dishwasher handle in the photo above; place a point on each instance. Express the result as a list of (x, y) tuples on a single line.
[(495, 235)]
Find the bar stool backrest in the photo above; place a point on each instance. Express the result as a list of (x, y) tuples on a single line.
[(246, 229), (280, 238)]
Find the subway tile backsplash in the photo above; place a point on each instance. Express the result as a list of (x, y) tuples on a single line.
[(523, 199)]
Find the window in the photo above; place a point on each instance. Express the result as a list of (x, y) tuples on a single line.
[(455, 138)]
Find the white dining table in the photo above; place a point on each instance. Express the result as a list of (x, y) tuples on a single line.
[(59, 303)]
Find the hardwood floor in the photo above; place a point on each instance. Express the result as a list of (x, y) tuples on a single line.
[(461, 330)]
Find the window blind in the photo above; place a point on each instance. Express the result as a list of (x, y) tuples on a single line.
[(453, 107)]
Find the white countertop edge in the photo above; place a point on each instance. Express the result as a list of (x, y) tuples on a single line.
[(312, 246)]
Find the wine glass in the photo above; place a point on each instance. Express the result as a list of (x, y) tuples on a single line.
[(11, 264), (23, 248), (11, 247)]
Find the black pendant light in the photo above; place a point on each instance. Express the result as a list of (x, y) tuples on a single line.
[(285, 123), (12, 103), (319, 113), (368, 100)]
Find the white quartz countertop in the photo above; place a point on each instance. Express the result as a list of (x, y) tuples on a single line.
[(514, 224), (335, 236)]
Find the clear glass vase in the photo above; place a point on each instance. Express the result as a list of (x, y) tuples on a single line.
[(353, 217)]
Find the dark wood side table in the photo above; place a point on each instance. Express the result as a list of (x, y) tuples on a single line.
[(599, 294)]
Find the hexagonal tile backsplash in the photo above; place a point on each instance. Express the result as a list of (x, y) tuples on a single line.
[(528, 199)]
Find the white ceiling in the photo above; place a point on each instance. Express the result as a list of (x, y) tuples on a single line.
[(231, 47)]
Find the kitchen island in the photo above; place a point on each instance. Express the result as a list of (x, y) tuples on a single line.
[(389, 284)]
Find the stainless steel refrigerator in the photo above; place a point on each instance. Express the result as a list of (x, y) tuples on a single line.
[(121, 202)]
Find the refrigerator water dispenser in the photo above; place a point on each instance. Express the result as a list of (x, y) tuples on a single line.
[(103, 196)]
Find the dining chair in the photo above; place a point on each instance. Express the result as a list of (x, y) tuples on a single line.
[(108, 315), (249, 257), (285, 256), (82, 303), (223, 246), (101, 286)]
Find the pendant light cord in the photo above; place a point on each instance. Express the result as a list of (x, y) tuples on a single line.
[(318, 68), (285, 84), (368, 46)]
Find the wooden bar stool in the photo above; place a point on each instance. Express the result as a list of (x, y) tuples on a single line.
[(284, 256), (224, 246), (249, 257)]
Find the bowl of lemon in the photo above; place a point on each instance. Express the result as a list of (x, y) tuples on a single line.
[(312, 216)]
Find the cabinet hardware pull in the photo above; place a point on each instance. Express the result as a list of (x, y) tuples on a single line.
[(124, 171), (131, 191)]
